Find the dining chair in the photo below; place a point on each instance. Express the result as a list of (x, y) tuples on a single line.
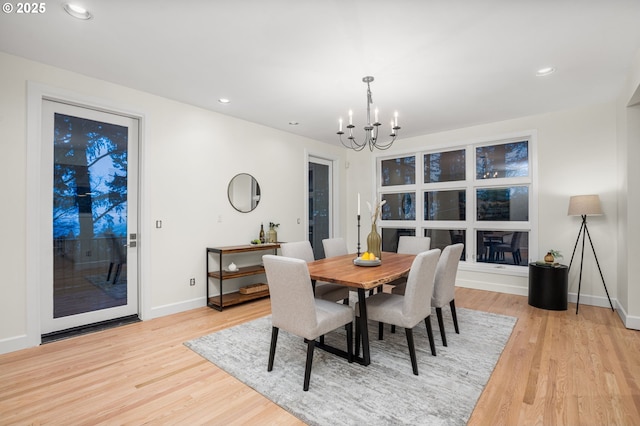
[(444, 286), (295, 310), (334, 247), (409, 310), (326, 291), (408, 244)]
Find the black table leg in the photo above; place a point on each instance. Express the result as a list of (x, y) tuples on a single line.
[(364, 329)]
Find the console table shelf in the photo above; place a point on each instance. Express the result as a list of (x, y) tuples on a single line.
[(229, 299)]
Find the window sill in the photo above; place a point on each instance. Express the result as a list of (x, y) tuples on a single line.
[(488, 268)]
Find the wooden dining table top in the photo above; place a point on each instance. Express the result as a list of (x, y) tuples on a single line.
[(342, 270)]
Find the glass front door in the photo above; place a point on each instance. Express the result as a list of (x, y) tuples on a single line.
[(92, 194), (319, 204)]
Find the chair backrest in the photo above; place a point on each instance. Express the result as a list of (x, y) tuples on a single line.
[(420, 286), (446, 271), (413, 245), (334, 247), (298, 250), (292, 303)]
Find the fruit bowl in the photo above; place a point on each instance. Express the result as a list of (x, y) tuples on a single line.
[(361, 262)]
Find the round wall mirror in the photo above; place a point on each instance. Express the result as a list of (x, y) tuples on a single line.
[(244, 192)]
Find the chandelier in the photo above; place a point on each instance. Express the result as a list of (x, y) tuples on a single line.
[(371, 130)]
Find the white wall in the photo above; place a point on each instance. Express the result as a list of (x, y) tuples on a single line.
[(188, 157), (628, 115), (576, 155)]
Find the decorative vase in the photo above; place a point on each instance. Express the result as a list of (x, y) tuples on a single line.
[(374, 242), (549, 258), (272, 236)]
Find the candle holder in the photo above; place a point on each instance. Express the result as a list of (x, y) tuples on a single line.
[(358, 235)]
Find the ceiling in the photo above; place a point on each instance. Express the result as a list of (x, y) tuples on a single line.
[(442, 64)]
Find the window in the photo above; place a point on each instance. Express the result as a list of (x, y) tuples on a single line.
[(478, 194)]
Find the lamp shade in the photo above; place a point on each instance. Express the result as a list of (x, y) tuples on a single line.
[(585, 205)]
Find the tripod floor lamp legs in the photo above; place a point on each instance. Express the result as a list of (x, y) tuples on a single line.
[(584, 231)]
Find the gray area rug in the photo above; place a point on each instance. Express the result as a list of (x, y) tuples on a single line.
[(384, 393)]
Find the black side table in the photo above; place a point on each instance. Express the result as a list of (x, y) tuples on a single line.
[(548, 286)]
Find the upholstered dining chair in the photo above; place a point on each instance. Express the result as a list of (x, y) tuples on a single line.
[(445, 283), (444, 286), (326, 291), (408, 244), (409, 310), (295, 309), (512, 246), (334, 247)]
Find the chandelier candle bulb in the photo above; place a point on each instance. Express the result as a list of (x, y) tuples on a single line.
[(376, 115), (350, 117), (396, 117), (340, 125)]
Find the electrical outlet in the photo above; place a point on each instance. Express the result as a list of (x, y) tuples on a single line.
[(192, 282)]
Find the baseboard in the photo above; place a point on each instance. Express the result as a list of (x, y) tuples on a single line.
[(629, 321), (15, 343), (174, 308)]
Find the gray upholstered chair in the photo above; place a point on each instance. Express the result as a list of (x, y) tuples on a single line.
[(445, 283), (334, 247), (444, 287), (413, 245), (408, 244), (295, 310), (409, 310), (326, 291)]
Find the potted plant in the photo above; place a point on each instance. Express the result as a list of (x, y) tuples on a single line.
[(552, 255), (272, 234)]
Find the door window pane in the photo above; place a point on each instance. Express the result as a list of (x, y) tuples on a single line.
[(445, 205), (500, 161), (89, 215), (398, 171), (444, 166), (400, 206), (503, 204), (319, 206), (505, 247)]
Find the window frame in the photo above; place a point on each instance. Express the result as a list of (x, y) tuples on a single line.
[(471, 225)]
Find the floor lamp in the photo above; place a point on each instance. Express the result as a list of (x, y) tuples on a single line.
[(586, 205)]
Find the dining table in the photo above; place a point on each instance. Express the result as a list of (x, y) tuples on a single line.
[(343, 271)]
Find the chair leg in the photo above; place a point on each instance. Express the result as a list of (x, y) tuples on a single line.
[(412, 350), (349, 328), (380, 330), (441, 326), (452, 304), (357, 350), (427, 322), (272, 350), (311, 344)]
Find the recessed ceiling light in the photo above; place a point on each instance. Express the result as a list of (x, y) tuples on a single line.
[(545, 71), (293, 123), (77, 11), (224, 101)]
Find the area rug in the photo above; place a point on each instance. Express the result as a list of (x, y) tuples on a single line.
[(384, 393), (117, 291)]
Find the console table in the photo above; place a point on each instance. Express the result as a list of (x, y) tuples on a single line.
[(548, 286), (222, 300)]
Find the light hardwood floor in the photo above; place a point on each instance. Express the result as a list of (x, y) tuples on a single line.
[(558, 368)]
